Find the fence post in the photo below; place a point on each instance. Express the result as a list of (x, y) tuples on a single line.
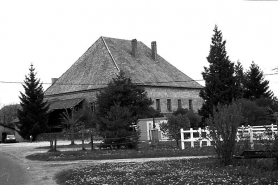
[(237, 134), (191, 138), (272, 130), (182, 139), (207, 133), (200, 136), (251, 136)]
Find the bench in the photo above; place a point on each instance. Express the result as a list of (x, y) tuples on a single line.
[(251, 154)]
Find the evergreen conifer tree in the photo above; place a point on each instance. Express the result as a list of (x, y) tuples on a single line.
[(221, 83), (255, 85), (33, 117), (240, 78)]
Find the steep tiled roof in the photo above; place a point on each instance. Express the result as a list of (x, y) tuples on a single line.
[(103, 60)]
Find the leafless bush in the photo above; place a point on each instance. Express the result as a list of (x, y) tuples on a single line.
[(223, 126)]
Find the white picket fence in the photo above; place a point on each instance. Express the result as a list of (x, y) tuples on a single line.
[(250, 132)]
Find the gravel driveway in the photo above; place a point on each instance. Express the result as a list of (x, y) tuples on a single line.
[(42, 172)]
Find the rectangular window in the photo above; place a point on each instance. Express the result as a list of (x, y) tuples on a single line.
[(93, 107), (169, 106), (190, 105), (179, 104), (158, 105)]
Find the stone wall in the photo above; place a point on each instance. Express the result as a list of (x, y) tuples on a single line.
[(174, 94)]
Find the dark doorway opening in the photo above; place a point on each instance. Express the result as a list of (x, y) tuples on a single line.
[(4, 134)]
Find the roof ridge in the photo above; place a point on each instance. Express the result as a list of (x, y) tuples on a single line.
[(116, 38), (72, 65), (110, 53)]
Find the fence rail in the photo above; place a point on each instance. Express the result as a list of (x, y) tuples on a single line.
[(248, 132)]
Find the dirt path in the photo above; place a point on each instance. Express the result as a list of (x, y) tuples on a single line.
[(43, 172)]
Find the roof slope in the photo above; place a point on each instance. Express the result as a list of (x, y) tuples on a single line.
[(1, 124), (100, 63), (64, 104)]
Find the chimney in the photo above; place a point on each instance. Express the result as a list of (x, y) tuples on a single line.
[(154, 51), (53, 80), (134, 47)]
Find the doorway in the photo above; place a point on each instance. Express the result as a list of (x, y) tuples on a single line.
[(4, 134)]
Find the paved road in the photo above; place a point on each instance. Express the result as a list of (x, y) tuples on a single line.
[(15, 169), (11, 172)]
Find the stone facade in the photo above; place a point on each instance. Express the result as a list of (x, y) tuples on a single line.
[(174, 95), (161, 94)]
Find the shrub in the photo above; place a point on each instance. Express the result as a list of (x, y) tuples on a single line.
[(172, 128), (194, 118), (223, 126)]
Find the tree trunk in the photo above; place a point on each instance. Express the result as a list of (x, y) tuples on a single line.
[(72, 134), (83, 147), (92, 142), (51, 145), (55, 144)]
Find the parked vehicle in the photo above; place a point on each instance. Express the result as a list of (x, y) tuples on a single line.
[(10, 139)]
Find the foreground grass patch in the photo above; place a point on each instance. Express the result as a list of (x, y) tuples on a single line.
[(185, 171)]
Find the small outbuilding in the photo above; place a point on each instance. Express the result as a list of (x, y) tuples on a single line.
[(147, 125)]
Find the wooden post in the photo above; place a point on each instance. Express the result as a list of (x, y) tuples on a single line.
[(200, 136), (208, 139), (155, 139), (243, 130), (191, 137), (150, 134), (272, 130), (55, 143), (237, 134), (251, 137), (182, 139), (92, 142)]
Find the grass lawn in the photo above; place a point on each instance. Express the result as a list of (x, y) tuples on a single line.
[(163, 149), (185, 171)]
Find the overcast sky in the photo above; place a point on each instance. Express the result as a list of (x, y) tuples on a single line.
[(54, 34)]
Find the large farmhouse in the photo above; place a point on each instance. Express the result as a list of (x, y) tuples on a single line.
[(168, 87)]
